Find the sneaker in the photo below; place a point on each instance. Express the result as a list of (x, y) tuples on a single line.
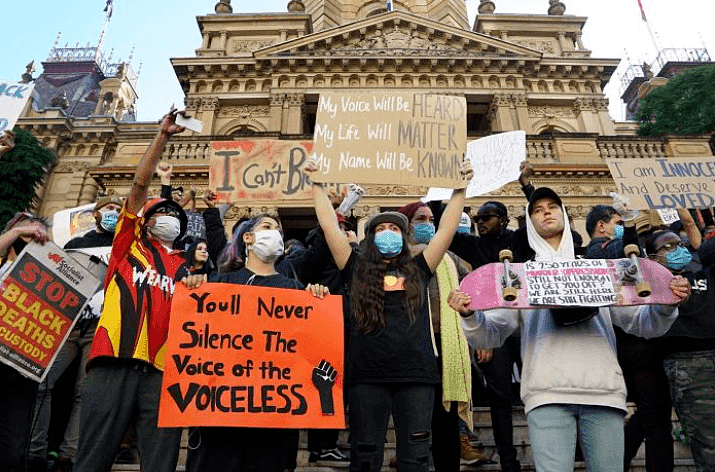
[(469, 454), (328, 455), (62, 465)]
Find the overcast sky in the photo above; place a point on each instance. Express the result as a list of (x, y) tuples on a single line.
[(161, 29)]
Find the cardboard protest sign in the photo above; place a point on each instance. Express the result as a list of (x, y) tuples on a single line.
[(261, 170), (668, 216), (13, 97), (675, 182), (413, 138), (582, 282), (72, 222), (495, 160), (241, 355), (41, 296)]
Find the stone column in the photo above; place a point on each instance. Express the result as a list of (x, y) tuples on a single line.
[(586, 116), (88, 194), (522, 113), (276, 117), (294, 118), (205, 41), (499, 113), (607, 126), (222, 41), (209, 107), (363, 213)]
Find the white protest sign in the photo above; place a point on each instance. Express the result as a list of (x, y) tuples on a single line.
[(408, 138), (582, 282), (668, 215), (674, 182), (495, 160), (13, 97), (72, 222)]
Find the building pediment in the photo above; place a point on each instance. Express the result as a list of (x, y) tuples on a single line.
[(397, 34)]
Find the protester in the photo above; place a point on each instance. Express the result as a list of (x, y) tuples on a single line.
[(106, 214), (452, 398), (18, 393), (571, 381), (391, 361), (689, 346), (197, 261), (127, 356), (215, 449)]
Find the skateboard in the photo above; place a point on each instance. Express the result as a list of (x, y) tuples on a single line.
[(581, 282)]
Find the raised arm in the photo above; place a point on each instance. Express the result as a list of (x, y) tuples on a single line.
[(145, 170), (337, 241), (438, 245), (696, 238)]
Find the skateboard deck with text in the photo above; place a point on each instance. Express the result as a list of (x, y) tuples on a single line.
[(485, 285)]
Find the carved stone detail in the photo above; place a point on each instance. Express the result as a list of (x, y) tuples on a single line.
[(71, 166), (249, 45), (584, 104), (519, 100), (486, 7), (543, 46), (296, 99), (601, 104), (209, 104), (551, 112), (364, 211), (277, 99), (192, 103), (246, 111)]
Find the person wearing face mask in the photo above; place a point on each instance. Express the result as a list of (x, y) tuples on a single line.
[(452, 398), (18, 393), (126, 359), (106, 214), (220, 449), (391, 364), (688, 348)]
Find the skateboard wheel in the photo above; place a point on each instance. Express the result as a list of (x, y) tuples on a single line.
[(632, 250), (505, 255), (509, 293), (643, 289)]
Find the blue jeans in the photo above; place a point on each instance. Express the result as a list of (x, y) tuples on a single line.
[(370, 407), (553, 430), (692, 386)]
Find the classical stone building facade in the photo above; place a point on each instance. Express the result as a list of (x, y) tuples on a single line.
[(259, 76)]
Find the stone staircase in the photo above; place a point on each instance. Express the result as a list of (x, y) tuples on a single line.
[(482, 438)]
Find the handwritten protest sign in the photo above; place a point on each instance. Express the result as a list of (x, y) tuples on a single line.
[(41, 296), (668, 216), (411, 138), (676, 182), (260, 170), (495, 160), (240, 355), (72, 222), (196, 228), (582, 282), (13, 97)]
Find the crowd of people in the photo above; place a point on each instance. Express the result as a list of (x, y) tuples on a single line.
[(594, 381)]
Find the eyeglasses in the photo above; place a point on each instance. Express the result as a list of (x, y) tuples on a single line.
[(480, 218), (167, 211)]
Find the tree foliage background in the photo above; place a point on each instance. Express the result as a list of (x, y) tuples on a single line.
[(685, 105), (20, 171)]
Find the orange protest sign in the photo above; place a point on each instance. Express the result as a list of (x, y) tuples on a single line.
[(240, 355)]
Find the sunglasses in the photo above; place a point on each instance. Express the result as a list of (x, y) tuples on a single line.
[(167, 212), (480, 218), (671, 246)]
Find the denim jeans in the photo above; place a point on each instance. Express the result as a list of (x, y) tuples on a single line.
[(553, 430), (370, 408), (692, 386)]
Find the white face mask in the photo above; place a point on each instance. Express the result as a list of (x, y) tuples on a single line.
[(268, 245), (166, 228)]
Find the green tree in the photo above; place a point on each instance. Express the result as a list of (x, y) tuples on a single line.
[(20, 171), (685, 105)]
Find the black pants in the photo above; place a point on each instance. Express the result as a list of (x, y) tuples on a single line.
[(648, 387), (445, 435), (239, 449), (17, 398)]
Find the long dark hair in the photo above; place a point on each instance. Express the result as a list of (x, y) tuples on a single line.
[(367, 294), (233, 256)]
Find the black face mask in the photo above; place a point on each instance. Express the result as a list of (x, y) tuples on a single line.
[(19, 245)]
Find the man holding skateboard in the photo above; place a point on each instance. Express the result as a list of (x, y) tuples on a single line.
[(571, 384)]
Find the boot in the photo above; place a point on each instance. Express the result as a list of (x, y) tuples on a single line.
[(469, 454)]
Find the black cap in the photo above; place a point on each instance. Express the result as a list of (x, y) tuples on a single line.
[(540, 193), (389, 217)]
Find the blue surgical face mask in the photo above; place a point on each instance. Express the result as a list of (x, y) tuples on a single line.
[(109, 221), (389, 243), (463, 229), (618, 232), (423, 232), (678, 258)]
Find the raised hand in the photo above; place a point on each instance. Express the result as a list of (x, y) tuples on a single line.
[(324, 378)]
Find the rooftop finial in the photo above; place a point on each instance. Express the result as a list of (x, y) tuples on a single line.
[(296, 6), (223, 6), (486, 7), (29, 69), (556, 7)]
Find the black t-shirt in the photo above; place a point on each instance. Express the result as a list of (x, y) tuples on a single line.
[(91, 239), (399, 352), (244, 276)]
